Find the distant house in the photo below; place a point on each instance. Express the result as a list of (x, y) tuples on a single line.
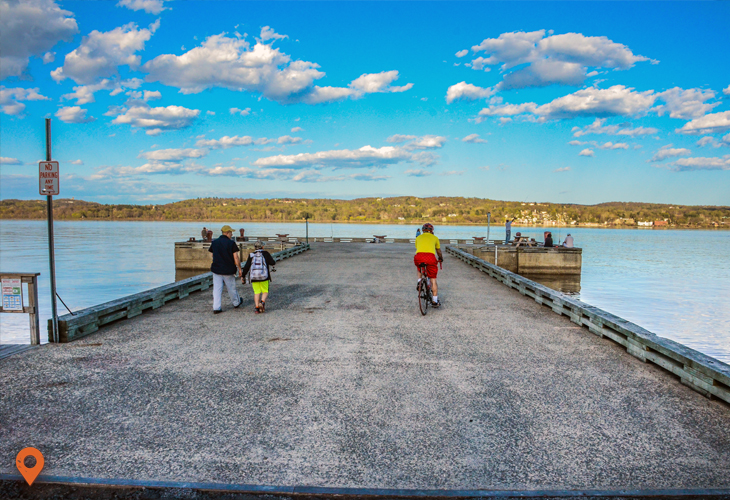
[(660, 223), (645, 223)]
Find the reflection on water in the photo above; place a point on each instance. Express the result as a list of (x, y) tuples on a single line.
[(674, 283), (568, 284)]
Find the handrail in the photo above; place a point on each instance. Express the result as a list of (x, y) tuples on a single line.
[(704, 374), (87, 321)]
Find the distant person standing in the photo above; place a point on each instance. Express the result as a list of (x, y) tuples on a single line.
[(204, 233), (508, 229), (548, 240), (226, 261), (257, 266), (568, 243), (418, 232)]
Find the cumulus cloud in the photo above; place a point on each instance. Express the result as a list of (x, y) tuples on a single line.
[(709, 124), (156, 120), (366, 156), (269, 34), (149, 6), (150, 95), (726, 91), (30, 28), (709, 140), (227, 142), (669, 152), (462, 53), (686, 104), (174, 154), (101, 53), (242, 112), (287, 139), (612, 145), (10, 99), (296, 129), (84, 94), (418, 172), (463, 90), (699, 163), (76, 162), (73, 114), (49, 57), (4, 160), (473, 138), (598, 127), (416, 142), (232, 63), (586, 152), (555, 59)]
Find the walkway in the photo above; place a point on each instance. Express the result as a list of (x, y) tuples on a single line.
[(342, 383)]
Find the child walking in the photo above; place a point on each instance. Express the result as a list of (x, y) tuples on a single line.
[(257, 266)]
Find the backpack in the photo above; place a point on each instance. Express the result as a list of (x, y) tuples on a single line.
[(259, 271)]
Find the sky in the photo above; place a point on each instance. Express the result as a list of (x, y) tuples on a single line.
[(154, 101)]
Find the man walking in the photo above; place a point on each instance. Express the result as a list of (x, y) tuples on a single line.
[(226, 261), (508, 230)]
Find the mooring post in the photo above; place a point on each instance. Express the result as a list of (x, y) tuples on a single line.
[(35, 333), (51, 255)]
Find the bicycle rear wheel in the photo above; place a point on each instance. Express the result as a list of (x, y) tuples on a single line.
[(423, 297)]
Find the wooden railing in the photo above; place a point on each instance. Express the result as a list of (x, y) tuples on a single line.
[(87, 321), (698, 371)]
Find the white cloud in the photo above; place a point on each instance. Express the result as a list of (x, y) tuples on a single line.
[(725, 141), (10, 99), (100, 53), (49, 57), (508, 109), (4, 160), (688, 164), (586, 152), (598, 127), (463, 90), (156, 120), (242, 112), (555, 59), (462, 53), (726, 91), (150, 95), (418, 172), (149, 6), (76, 162), (576, 143), (669, 152), (174, 154), (269, 34), (474, 138), (366, 156), (709, 124), (611, 145), (416, 142), (562, 169), (28, 28), (287, 139), (227, 142), (296, 129), (232, 63), (73, 114), (686, 104), (210, 113), (453, 172)]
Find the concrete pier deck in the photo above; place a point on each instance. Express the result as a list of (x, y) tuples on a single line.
[(342, 383)]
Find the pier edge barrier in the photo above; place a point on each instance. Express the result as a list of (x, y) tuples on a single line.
[(87, 321), (700, 372)]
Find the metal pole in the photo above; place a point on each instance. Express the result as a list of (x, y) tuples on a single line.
[(306, 222), (489, 223), (51, 254)]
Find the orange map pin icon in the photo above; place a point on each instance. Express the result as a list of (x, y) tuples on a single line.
[(29, 473)]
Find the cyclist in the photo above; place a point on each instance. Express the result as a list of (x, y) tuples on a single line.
[(427, 247)]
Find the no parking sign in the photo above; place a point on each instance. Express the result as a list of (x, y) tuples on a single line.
[(48, 178)]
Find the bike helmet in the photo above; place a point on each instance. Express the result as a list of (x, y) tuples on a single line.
[(427, 227)]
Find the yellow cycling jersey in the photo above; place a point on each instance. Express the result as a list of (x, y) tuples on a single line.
[(427, 243)]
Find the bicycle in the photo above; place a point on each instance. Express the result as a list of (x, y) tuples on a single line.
[(425, 296)]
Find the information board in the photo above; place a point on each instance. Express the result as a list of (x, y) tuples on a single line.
[(48, 178), (12, 292)]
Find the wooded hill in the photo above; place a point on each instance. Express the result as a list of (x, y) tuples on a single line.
[(409, 209)]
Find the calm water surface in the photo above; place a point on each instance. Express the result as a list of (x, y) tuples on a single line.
[(674, 283)]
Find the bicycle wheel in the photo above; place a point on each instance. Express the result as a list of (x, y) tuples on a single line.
[(423, 297)]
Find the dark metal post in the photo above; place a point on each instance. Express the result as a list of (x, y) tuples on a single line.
[(489, 223), (306, 222), (51, 254)]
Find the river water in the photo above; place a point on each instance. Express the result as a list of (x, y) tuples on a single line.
[(674, 283)]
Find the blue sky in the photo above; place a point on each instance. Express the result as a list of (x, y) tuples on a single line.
[(155, 101)]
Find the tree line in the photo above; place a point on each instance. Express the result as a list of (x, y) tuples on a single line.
[(406, 209)]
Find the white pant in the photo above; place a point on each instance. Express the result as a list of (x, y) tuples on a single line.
[(230, 282)]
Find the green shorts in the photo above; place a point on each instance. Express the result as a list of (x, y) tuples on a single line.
[(260, 287)]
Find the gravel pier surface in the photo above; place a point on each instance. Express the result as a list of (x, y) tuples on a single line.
[(342, 383)]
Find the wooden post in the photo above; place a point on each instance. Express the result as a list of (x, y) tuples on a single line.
[(35, 332)]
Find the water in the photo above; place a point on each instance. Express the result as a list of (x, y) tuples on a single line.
[(674, 283)]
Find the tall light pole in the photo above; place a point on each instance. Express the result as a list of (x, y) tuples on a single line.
[(489, 223), (307, 216)]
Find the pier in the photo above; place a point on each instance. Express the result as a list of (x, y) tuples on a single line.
[(342, 387)]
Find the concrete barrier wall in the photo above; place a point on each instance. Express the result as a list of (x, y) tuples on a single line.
[(704, 374), (531, 260), (87, 321)]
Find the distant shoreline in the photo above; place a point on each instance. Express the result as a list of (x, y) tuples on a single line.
[(414, 224)]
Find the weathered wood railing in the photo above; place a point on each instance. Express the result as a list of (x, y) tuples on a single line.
[(89, 320), (698, 371)]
